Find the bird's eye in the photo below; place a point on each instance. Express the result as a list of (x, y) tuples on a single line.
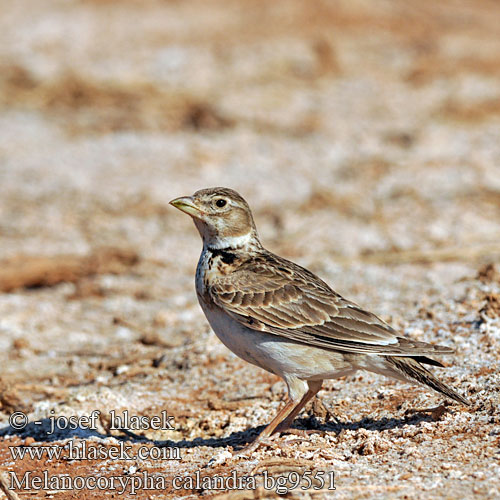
[(221, 202)]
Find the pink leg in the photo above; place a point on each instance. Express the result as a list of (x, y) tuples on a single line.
[(285, 416), (314, 387)]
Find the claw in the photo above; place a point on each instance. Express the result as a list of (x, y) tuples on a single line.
[(255, 445), (303, 432), (436, 412)]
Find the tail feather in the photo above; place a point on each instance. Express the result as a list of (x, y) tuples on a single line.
[(427, 361), (411, 368)]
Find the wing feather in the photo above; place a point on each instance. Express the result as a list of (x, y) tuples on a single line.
[(270, 294)]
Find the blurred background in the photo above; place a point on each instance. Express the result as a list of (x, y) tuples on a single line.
[(365, 136), (375, 121)]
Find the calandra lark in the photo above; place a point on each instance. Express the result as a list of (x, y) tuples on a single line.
[(281, 317)]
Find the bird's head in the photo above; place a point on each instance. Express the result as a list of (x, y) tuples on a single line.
[(222, 217)]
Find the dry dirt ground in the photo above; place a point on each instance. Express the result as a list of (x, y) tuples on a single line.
[(365, 135)]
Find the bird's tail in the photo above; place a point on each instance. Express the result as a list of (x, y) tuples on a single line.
[(412, 369)]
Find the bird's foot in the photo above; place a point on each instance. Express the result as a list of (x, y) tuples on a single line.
[(436, 412), (274, 441), (255, 445), (303, 433)]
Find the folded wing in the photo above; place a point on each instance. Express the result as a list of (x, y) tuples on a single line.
[(273, 295)]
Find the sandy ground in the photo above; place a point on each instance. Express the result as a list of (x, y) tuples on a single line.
[(366, 137)]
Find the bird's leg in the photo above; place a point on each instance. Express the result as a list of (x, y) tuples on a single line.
[(313, 388), (285, 416), (319, 409), (282, 414)]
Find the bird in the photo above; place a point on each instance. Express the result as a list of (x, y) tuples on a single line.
[(281, 317)]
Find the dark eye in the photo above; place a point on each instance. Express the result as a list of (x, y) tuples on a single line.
[(221, 202)]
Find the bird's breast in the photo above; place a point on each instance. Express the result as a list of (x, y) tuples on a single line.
[(207, 273), (212, 266)]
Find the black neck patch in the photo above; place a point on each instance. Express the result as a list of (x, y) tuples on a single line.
[(226, 256)]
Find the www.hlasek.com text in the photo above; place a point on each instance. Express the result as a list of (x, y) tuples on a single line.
[(96, 451)]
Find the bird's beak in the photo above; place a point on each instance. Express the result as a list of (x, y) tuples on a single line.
[(186, 204)]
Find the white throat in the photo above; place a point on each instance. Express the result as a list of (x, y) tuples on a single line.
[(230, 241)]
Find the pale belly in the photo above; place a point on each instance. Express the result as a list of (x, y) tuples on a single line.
[(276, 354)]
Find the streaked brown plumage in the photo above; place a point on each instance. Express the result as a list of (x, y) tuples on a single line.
[(280, 316), (271, 294)]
